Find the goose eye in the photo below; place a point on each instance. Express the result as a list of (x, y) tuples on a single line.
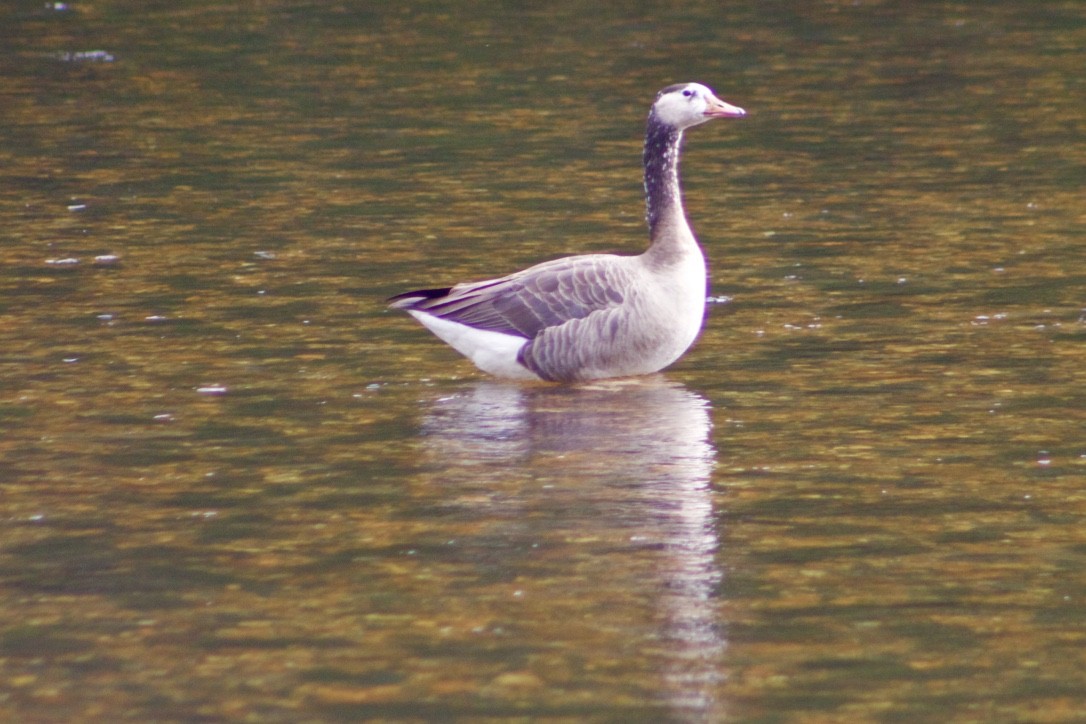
[(688, 93)]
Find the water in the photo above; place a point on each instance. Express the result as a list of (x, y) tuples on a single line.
[(235, 487)]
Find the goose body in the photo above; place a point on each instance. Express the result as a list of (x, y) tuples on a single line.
[(595, 315)]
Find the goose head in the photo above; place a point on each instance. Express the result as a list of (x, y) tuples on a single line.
[(687, 104)]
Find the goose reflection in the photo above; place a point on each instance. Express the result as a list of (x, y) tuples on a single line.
[(615, 476)]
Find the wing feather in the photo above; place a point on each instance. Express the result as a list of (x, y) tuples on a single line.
[(526, 303)]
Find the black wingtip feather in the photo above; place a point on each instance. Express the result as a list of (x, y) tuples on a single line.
[(407, 300)]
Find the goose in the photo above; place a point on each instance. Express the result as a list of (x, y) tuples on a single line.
[(593, 316)]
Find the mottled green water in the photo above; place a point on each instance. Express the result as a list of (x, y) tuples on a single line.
[(234, 487)]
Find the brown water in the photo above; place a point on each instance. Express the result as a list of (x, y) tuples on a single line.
[(234, 487)]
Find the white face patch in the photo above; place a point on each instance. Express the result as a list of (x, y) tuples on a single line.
[(684, 106)]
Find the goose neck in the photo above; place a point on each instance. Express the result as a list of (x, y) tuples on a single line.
[(663, 196)]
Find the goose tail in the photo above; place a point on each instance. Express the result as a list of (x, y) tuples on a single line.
[(409, 300)]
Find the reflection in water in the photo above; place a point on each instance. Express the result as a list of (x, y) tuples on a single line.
[(900, 221), (637, 456)]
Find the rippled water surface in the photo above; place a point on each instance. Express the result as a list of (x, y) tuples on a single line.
[(234, 487)]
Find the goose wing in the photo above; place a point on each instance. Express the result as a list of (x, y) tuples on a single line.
[(528, 302)]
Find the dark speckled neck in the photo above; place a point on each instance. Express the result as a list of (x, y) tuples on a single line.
[(663, 196)]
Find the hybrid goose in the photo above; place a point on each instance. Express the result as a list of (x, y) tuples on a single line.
[(595, 315)]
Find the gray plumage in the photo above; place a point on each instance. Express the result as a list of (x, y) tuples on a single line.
[(595, 315)]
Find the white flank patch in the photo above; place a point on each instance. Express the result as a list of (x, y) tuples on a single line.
[(493, 352)]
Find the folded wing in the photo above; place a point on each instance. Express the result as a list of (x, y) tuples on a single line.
[(528, 302)]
